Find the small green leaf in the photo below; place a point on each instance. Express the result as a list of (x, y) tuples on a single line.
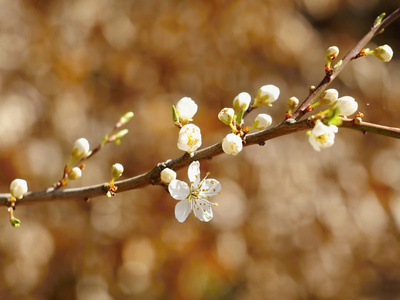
[(239, 117)]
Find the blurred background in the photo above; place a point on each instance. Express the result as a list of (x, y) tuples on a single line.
[(291, 223)]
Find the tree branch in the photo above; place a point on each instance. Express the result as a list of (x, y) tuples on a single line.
[(286, 127), (329, 77)]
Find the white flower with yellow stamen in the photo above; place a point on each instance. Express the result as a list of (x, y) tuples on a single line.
[(194, 197)]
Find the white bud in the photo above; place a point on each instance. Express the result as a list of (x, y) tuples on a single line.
[(329, 97), (241, 101), (116, 170), (331, 53), (232, 144), (262, 121), (18, 188), (75, 173), (293, 102), (266, 95), (189, 139), (226, 115), (81, 148), (186, 108), (346, 106), (167, 175), (383, 53)]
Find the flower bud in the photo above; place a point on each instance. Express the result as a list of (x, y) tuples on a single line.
[(262, 121), (167, 175), (125, 119), (346, 106), (75, 173), (81, 148), (329, 97), (226, 115), (18, 188), (331, 53), (189, 139), (116, 171), (241, 101), (186, 108), (232, 144), (266, 95), (383, 53), (293, 102)]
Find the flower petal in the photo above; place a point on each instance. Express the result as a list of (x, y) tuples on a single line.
[(210, 187), (178, 189), (203, 211), (194, 173), (182, 210)]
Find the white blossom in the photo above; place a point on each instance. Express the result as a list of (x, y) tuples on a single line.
[(329, 97), (81, 148), (383, 53), (346, 106), (167, 175), (322, 136), (186, 109), (232, 144), (18, 188), (189, 139), (75, 173), (117, 170), (241, 101), (331, 53), (226, 115), (266, 95), (194, 197), (262, 121)]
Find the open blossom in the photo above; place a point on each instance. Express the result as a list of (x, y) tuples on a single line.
[(241, 101), (232, 144), (18, 188), (322, 136), (189, 139), (186, 108), (194, 197), (81, 148), (266, 95), (346, 106)]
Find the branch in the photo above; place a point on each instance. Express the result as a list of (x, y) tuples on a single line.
[(372, 128), (286, 127), (329, 77), (152, 177)]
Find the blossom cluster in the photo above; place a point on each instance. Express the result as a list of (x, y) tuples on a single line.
[(233, 117)]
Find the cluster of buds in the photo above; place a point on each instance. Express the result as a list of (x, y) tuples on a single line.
[(234, 117), (323, 135), (189, 139)]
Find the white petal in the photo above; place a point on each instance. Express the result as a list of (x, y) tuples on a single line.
[(178, 189), (182, 210), (194, 173), (203, 211), (210, 187)]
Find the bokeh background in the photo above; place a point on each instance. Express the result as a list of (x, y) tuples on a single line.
[(291, 223)]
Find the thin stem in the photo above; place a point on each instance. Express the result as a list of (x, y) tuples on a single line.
[(329, 77)]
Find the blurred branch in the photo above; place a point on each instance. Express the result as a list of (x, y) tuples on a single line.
[(330, 76), (372, 128)]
